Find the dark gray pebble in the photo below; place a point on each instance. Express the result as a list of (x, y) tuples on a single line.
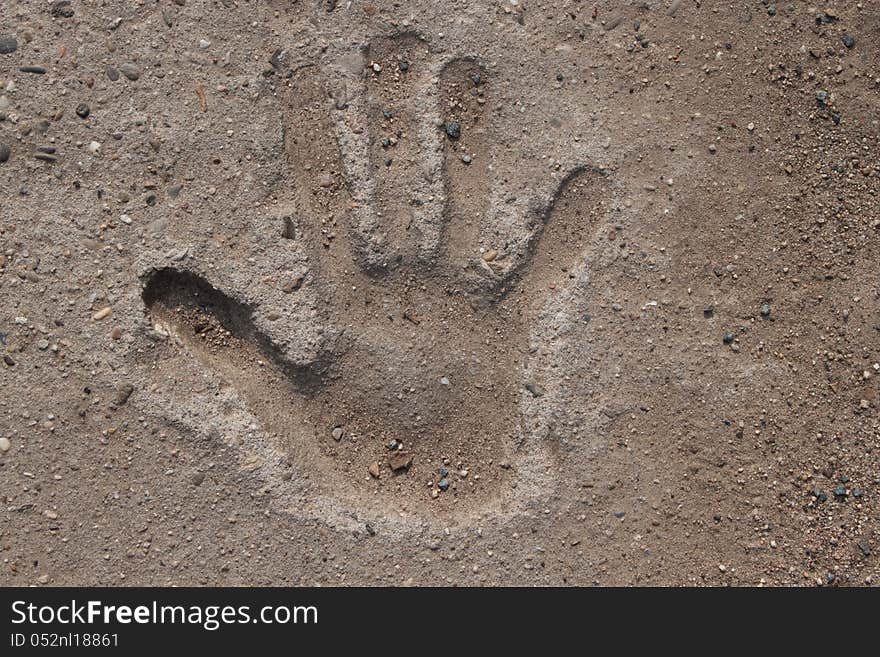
[(62, 9), (848, 41), (39, 70), (112, 73), (453, 129), (46, 157), (443, 484), (535, 390), (83, 111), (728, 337), (5, 152), (8, 44)]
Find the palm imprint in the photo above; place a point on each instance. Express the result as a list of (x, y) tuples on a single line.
[(414, 399)]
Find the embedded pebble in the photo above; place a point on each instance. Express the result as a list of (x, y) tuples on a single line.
[(4, 444), (62, 9), (536, 391), (8, 44), (123, 392), (130, 71), (102, 314), (337, 433), (400, 461)]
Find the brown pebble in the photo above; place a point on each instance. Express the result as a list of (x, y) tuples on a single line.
[(116, 333), (400, 461), (374, 469)]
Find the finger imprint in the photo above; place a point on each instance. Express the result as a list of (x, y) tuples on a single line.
[(396, 69), (320, 195), (564, 232), (463, 104)]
